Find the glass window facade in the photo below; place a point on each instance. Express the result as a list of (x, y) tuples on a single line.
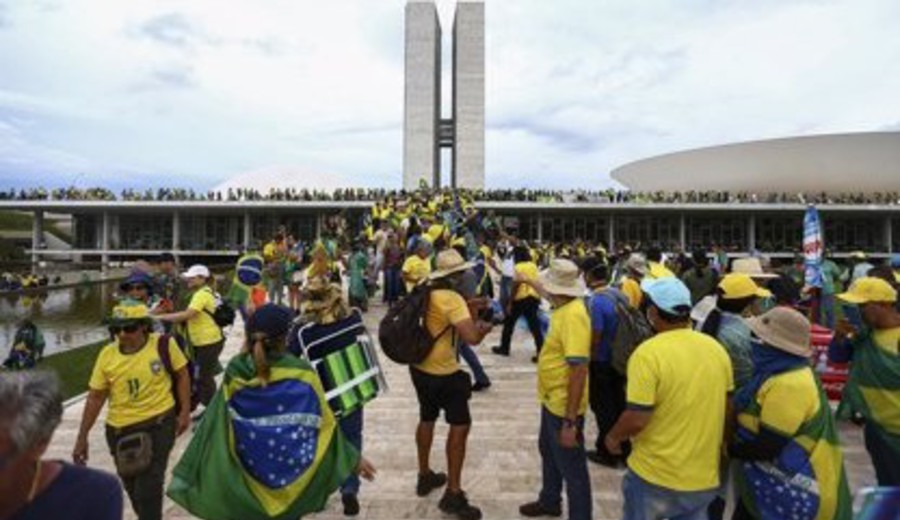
[(86, 231), (211, 232), (851, 233), (640, 230), (706, 230), (141, 231)]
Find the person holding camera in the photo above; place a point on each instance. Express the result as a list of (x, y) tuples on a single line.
[(137, 373)]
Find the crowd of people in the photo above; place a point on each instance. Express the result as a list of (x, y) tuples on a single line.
[(697, 370), (607, 196)]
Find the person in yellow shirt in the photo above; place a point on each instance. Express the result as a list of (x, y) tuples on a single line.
[(630, 284), (137, 381), (200, 329), (441, 385), (416, 267), (562, 381), (677, 394), (655, 265), (525, 302)]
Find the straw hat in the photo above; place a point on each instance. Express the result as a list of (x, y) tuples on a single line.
[(638, 263), (785, 329), (449, 261), (750, 266), (563, 278)]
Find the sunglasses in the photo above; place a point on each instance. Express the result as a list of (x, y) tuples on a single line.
[(131, 328), (130, 287)]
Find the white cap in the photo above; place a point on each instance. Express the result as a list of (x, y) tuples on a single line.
[(196, 270)]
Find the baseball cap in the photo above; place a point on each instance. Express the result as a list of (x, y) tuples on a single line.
[(895, 260), (272, 320), (735, 286), (868, 290), (669, 294), (196, 270)]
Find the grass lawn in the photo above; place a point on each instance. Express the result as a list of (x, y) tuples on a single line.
[(73, 367), (17, 221)]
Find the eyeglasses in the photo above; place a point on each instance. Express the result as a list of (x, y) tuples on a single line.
[(131, 287), (131, 328)]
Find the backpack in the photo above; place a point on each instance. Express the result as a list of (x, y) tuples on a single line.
[(224, 314), (403, 334), (193, 370), (632, 329)]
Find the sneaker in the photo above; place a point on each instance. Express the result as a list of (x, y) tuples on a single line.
[(533, 509), (430, 481), (499, 351), (351, 504), (479, 386), (457, 504), (603, 459)]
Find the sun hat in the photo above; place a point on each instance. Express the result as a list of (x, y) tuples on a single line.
[(785, 329), (449, 261), (750, 266), (669, 294), (638, 263), (868, 290), (735, 286), (128, 311), (196, 270), (563, 279), (272, 320)]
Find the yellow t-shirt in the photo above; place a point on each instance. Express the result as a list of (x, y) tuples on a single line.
[(568, 342), (632, 290), (202, 329), (528, 270), (416, 268), (139, 386), (446, 308), (684, 377), (788, 404)]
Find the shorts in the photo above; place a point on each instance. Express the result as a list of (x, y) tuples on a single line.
[(450, 393)]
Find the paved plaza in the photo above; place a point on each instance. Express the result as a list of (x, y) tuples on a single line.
[(502, 467)]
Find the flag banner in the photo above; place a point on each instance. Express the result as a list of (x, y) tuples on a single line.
[(813, 247), (263, 451)]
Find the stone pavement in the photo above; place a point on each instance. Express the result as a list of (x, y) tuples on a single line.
[(502, 468)]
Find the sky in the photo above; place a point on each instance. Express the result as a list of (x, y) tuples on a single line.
[(150, 93)]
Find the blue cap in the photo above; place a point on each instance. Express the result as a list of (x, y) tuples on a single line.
[(895, 260), (270, 319), (669, 294), (138, 278)]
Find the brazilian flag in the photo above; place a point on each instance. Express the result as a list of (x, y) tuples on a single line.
[(264, 451)]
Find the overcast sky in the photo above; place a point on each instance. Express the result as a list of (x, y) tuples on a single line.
[(191, 93)]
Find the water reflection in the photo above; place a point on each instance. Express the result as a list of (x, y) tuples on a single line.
[(69, 318)]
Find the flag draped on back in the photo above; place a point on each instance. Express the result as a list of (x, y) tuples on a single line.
[(260, 452), (813, 247)]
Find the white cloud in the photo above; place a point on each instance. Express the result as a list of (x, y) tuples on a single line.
[(574, 88)]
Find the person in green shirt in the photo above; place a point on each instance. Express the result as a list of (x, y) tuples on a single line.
[(832, 275)]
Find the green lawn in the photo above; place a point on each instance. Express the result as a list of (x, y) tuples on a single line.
[(18, 221), (73, 367)]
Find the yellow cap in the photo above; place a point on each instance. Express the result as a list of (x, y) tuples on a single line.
[(458, 241), (735, 286), (869, 289), (129, 310)]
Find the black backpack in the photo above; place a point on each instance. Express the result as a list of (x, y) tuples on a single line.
[(402, 333), (632, 329), (224, 314)]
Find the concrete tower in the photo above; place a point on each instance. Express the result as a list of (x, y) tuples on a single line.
[(424, 132)]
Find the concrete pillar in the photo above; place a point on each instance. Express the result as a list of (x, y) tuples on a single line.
[(612, 234), (37, 237), (540, 227), (889, 234), (751, 233), (682, 232), (247, 230), (176, 231), (319, 226), (104, 242)]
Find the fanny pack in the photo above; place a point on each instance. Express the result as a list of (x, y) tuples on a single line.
[(133, 453)]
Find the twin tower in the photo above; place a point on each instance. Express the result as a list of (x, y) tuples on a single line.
[(425, 132)]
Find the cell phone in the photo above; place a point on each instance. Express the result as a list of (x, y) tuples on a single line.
[(853, 315)]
